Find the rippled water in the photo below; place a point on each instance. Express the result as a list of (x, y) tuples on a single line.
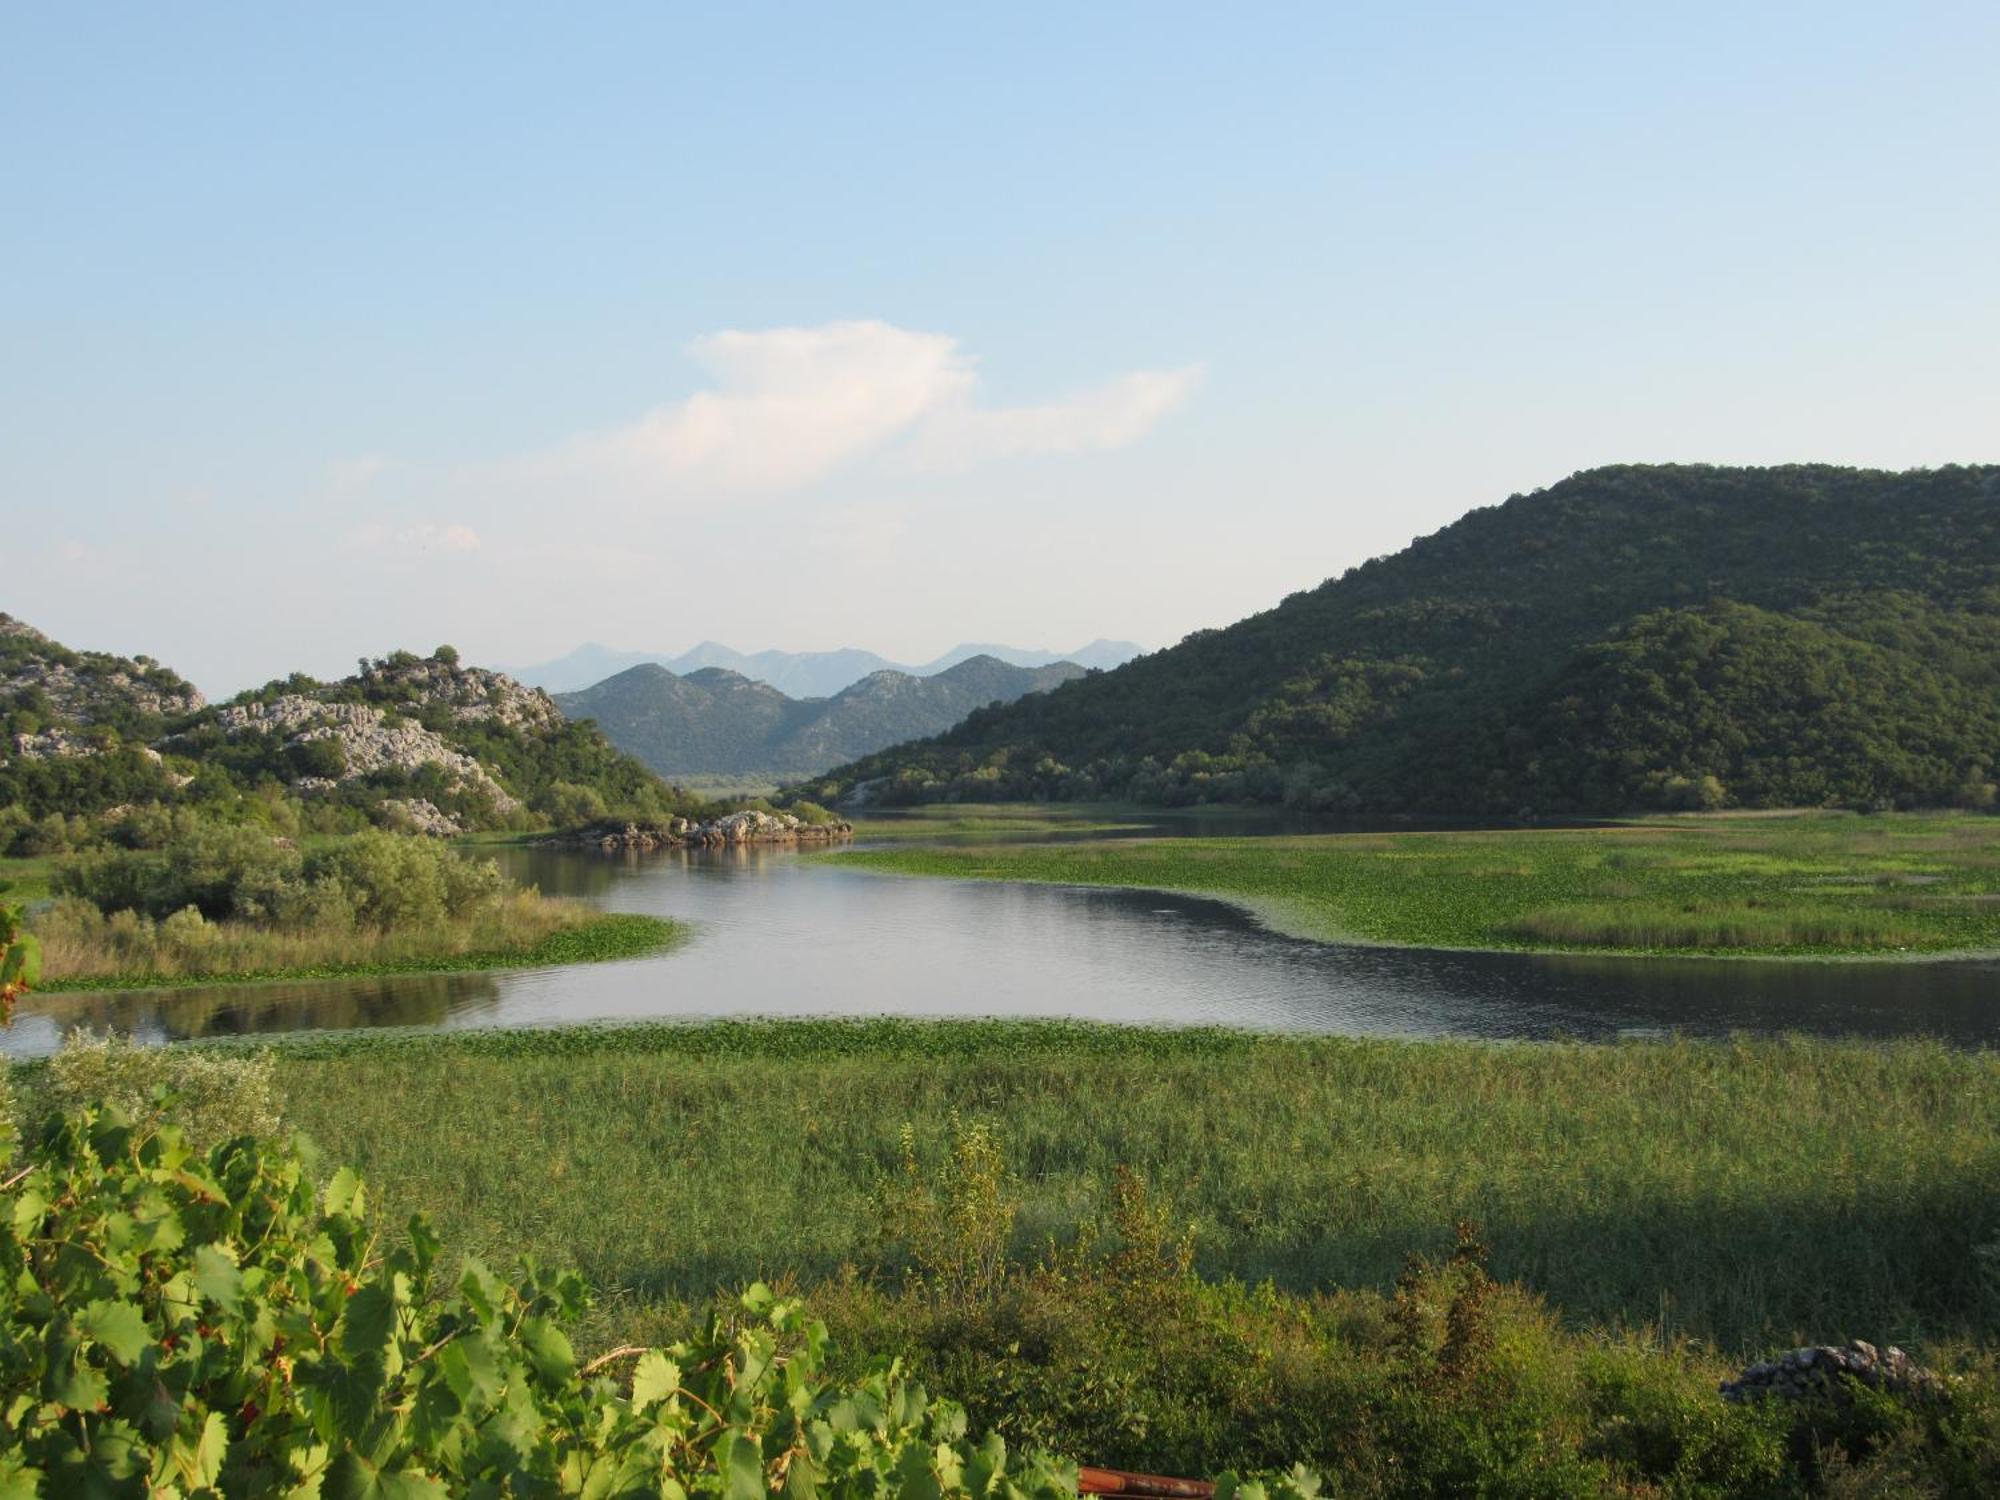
[(778, 934)]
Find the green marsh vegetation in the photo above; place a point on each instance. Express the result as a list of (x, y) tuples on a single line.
[(26, 879), (1187, 1252), (228, 902), (951, 820), (1820, 884), (1194, 1251), (1749, 1195)]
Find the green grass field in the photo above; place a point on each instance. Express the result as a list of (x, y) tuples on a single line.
[(1017, 819), (1753, 1195), (1646, 1218), (25, 879), (1812, 884)]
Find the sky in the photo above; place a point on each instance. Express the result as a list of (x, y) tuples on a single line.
[(330, 330)]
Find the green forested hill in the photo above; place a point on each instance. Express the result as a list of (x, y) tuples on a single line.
[(1639, 636)]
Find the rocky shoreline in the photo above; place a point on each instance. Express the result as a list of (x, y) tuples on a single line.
[(735, 828)]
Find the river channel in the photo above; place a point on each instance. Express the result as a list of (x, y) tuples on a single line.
[(777, 933)]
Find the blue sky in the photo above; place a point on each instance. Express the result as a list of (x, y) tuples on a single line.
[(327, 331)]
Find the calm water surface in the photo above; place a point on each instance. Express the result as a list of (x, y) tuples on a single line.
[(781, 934)]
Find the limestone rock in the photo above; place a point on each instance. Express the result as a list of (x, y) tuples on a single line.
[(1826, 1371), (749, 826), (368, 741)]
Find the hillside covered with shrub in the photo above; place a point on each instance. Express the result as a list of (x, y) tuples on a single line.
[(95, 744), (1633, 637)]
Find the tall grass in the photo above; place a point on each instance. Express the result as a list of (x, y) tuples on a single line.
[(1809, 885), (1752, 1194), (84, 948)]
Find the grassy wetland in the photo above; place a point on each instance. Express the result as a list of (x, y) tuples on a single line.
[(1748, 1194), (1417, 1268), (1806, 885)]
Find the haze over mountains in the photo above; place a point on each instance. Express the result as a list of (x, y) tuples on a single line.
[(715, 722), (800, 674), (1639, 636)]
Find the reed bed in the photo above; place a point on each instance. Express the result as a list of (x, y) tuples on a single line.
[(1835, 885), (1750, 1194), (84, 948)]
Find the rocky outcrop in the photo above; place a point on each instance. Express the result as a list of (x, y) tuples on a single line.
[(1826, 1372), (746, 827), (421, 815), (88, 687), (472, 694), (52, 744), (368, 742)]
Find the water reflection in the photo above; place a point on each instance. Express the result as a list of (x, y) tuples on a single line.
[(777, 934), (253, 1009)]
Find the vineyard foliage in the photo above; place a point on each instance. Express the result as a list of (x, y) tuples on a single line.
[(20, 959), (180, 1324)]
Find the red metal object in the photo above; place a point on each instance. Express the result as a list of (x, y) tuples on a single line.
[(1091, 1481)]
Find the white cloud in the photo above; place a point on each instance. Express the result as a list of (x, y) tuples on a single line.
[(789, 406), (1107, 416)]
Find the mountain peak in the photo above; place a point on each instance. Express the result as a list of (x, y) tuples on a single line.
[(802, 674), (716, 722)]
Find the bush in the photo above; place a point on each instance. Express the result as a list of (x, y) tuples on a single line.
[(393, 881), (325, 757), (567, 805), (371, 879), (215, 1095), (952, 1224), (221, 870)]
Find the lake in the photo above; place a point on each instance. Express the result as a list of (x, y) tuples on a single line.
[(778, 933)]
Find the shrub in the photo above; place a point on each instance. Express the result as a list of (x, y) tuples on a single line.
[(321, 757), (373, 879), (953, 1222), (392, 881), (215, 1095), (567, 805), (221, 870)]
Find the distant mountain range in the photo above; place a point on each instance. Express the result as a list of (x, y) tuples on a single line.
[(800, 674), (714, 721)]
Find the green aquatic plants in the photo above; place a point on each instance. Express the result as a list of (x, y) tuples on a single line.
[(1827, 885), (180, 1324)]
